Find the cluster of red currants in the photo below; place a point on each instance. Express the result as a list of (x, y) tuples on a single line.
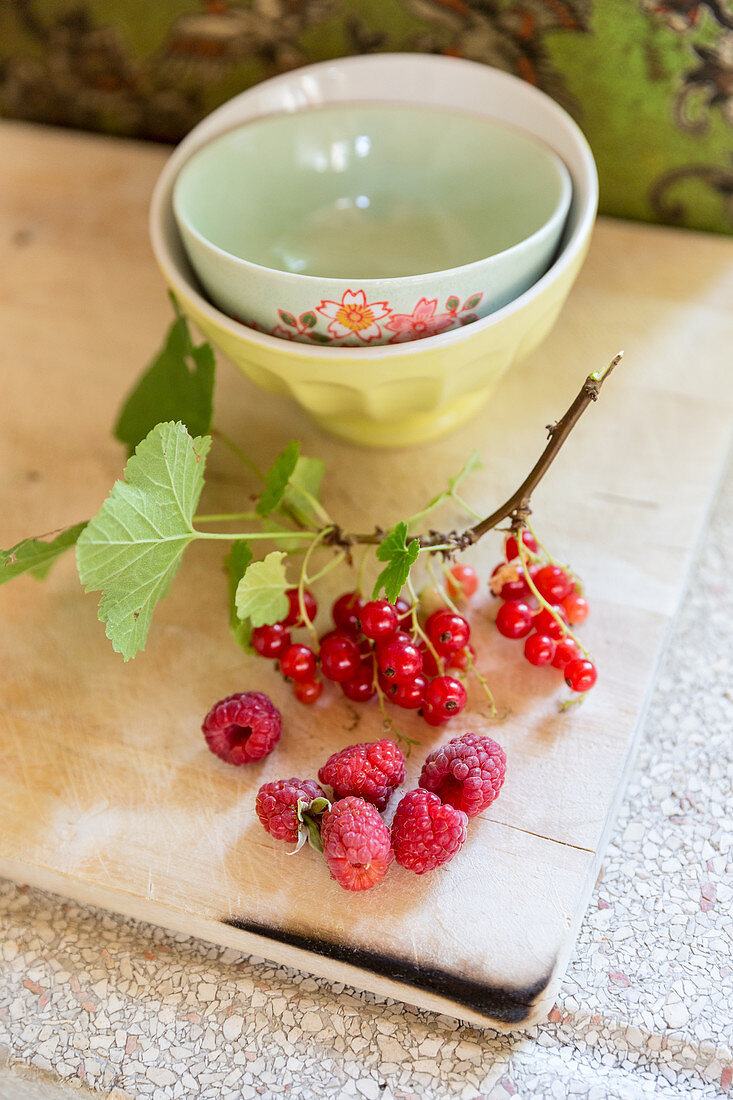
[(548, 640), (375, 648)]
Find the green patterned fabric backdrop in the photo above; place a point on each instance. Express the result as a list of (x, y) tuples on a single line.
[(649, 81)]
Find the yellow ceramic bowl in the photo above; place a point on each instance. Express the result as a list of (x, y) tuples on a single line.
[(405, 393)]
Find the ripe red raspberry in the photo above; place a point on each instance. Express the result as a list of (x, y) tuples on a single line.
[(426, 832), (356, 844), (243, 727), (467, 773), (277, 805), (370, 771)]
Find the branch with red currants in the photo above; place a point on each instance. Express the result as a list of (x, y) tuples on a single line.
[(402, 648)]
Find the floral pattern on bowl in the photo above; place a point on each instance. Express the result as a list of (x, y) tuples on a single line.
[(357, 322)]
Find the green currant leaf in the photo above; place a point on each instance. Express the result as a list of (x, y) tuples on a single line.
[(36, 556), (131, 550), (452, 304), (277, 478), (473, 301), (304, 487), (287, 318), (178, 385), (236, 563), (400, 557), (260, 593), (308, 320)]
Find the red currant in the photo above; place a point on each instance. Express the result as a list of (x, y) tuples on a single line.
[(462, 658), (511, 549), (298, 662), (378, 619), (340, 658), (308, 691), (432, 600), (448, 632), (514, 588), (565, 652), (399, 660), (293, 617), (514, 619), (270, 641), (546, 623), (445, 696), (580, 674), (400, 638), (432, 716), (553, 583), (388, 687), (410, 694), (429, 664), (576, 606), (539, 649), (360, 688), (347, 610), (462, 581), (403, 607)]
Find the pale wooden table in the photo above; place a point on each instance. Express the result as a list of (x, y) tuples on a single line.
[(111, 805)]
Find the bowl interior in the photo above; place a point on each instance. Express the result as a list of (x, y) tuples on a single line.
[(370, 190)]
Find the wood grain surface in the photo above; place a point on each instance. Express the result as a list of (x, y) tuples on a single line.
[(107, 791)]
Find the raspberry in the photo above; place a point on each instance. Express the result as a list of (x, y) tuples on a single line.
[(371, 771), (277, 805), (426, 832), (356, 844), (243, 727), (467, 773)]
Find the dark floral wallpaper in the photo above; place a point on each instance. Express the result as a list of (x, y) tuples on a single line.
[(649, 81)]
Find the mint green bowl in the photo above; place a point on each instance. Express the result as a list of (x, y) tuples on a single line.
[(367, 224)]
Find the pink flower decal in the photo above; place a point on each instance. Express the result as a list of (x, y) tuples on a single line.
[(354, 316), (421, 322)]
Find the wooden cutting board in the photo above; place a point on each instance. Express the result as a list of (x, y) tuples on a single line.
[(107, 792)]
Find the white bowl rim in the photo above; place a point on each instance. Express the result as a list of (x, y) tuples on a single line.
[(163, 191), (559, 212)]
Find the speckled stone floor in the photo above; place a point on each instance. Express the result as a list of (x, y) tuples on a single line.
[(89, 1001)]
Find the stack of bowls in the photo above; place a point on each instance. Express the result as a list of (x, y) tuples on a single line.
[(379, 237)]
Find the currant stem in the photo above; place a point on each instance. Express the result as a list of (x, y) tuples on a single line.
[(518, 502), (417, 629), (517, 505), (301, 585), (237, 451), (470, 664), (274, 536), (326, 568)]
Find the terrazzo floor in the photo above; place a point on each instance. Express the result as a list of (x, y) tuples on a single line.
[(92, 1004)]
